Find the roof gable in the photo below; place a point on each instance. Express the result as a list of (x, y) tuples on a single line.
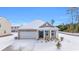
[(46, 25)]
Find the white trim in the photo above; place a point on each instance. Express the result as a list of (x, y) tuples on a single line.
[(37, 34), (50, 34)]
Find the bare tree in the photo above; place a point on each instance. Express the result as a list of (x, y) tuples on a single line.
[(77, 19), (74, 14)]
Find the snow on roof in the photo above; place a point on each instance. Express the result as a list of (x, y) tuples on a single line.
[(33, 25), (36, 24)]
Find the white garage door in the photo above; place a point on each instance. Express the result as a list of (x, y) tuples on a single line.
[(28, 35)]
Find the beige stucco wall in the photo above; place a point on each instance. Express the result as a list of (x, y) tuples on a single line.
[(5, 26)]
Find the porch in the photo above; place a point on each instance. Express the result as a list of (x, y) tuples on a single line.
[(47, 34)]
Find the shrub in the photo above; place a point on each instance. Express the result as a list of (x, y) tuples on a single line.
[(16, 37), (58, 45)]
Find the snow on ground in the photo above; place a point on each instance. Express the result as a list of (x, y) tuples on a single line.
[(70, 43), (6, 41), (31, 45), (45, 46)]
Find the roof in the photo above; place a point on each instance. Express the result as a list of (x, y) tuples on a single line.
[(38, 24), (46, 25), (32, 25)]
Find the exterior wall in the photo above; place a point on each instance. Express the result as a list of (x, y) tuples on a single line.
[(5, 28)]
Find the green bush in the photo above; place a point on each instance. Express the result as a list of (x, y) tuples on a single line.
[(58, 45)]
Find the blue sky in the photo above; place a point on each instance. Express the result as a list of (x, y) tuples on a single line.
[(22, 15)]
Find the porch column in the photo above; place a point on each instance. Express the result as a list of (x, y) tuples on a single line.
[(18, 35), (50, 34), (44, 34), (37, 34)]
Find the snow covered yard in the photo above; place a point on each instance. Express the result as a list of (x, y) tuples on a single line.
[(69, 43), (6, 41), (45, 46), (21, 45), (31, 45)]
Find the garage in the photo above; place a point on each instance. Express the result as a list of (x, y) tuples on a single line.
[(28, 34)]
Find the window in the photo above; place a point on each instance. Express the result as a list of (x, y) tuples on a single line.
[(41, 34), (46, 32)]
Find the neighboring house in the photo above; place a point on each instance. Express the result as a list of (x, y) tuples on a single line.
[(5, 27), (38, 30), (14, 28)]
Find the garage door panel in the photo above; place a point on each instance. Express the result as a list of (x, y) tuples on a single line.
[(28, 34)]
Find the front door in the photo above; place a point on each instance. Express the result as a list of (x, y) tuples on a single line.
[(47, 34), (41, 34)]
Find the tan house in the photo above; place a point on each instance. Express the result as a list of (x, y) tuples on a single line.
[(39, 30), (5, 27)]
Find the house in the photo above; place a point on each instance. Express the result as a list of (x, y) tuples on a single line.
[(14, 28), (38, 30), (5, 27)]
